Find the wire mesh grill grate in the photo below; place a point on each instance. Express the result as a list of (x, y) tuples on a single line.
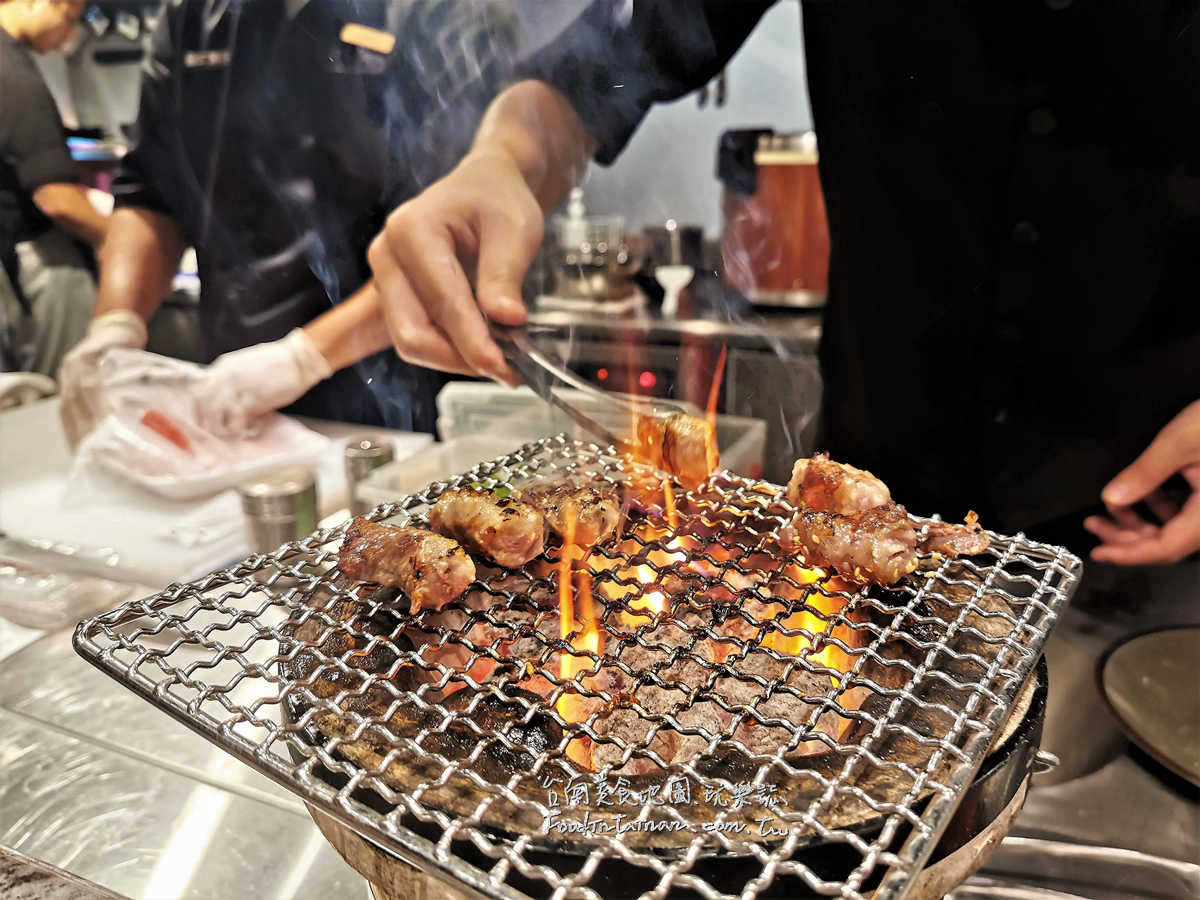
[(708, 719)]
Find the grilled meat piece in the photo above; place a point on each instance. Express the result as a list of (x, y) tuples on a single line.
[(594, 511), (847, 521), (432, 570), (820, 483), (949, 539), (682, 445), (878, 545), (508, 531)]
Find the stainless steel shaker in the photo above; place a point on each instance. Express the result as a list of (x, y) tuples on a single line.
[(280, 506), (364, 455)]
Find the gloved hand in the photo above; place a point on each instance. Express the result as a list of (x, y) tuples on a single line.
[(245, 384), (79, 375)]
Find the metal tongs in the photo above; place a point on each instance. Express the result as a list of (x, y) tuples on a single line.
[(544, 372)]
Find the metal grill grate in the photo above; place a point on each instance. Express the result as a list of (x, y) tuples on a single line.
[(729, 725)]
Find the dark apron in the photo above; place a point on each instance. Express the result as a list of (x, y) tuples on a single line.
[(282, 211), (1012, 307)]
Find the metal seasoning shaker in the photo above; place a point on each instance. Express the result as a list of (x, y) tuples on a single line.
[(364, 455), (280, 506)]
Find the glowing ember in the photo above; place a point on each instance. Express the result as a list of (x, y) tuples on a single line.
[(647, 603), (571, 706), (764, 621)]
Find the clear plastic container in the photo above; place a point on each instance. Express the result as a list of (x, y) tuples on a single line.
[(34, 598)]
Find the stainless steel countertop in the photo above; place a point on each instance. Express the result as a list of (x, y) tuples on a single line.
[(22, 878), (97, 782)]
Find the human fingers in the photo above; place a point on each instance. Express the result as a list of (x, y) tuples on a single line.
[(415, 338), (1176, 446), (1129, 520), (425, 253), (1178, 538), (509, 237), (1161, 505), (1111, 533)]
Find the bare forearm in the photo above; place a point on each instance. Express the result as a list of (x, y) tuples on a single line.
[(537, 127), (68, 207), (352, 330), (138, 261)]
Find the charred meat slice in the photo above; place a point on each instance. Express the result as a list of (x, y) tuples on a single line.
[(878, 545), (949, 539), (682, 445), (820, 483), (847, 521), (593, 511), (431, 569), (508, 531)]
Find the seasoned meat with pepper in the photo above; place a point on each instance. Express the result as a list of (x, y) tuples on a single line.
[(878, 545), (949, 539), (682, 445), (593, 511), (432, 570), (820, 483), (508, 531)]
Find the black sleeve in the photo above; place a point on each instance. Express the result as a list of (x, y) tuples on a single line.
[(622, 56), (151, 161), (32, 140)]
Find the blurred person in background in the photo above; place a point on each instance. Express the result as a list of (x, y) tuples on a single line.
[(1013, 195), (46, 288), (274, 137)]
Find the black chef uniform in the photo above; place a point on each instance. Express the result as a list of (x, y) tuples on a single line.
[(1014, 206), (33, 153), (280, 148)]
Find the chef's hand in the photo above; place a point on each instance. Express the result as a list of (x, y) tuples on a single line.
[(245, 384), (459, 252), (479, 225), (79, 375), (1126, 538)]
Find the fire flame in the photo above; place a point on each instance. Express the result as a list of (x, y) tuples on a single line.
[(669, 504), (714, 391), (571, 706), (645, 588)]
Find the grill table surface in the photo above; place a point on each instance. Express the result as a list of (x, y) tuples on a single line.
[(294, 670)]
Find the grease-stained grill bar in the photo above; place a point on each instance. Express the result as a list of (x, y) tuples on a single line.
[(684, 710)]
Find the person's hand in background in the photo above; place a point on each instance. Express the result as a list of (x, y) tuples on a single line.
[(244, 384), (1128, 539), (79, 375)]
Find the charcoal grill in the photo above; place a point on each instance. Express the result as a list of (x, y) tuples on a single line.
[(780, 731)]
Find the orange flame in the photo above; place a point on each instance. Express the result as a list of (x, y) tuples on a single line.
[(669, 504), (652, 602), (566, 606), (714, 390), (822, 627), (571, 706)]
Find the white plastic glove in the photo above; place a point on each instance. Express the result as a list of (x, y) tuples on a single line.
[(83, 402), (245, 384)]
